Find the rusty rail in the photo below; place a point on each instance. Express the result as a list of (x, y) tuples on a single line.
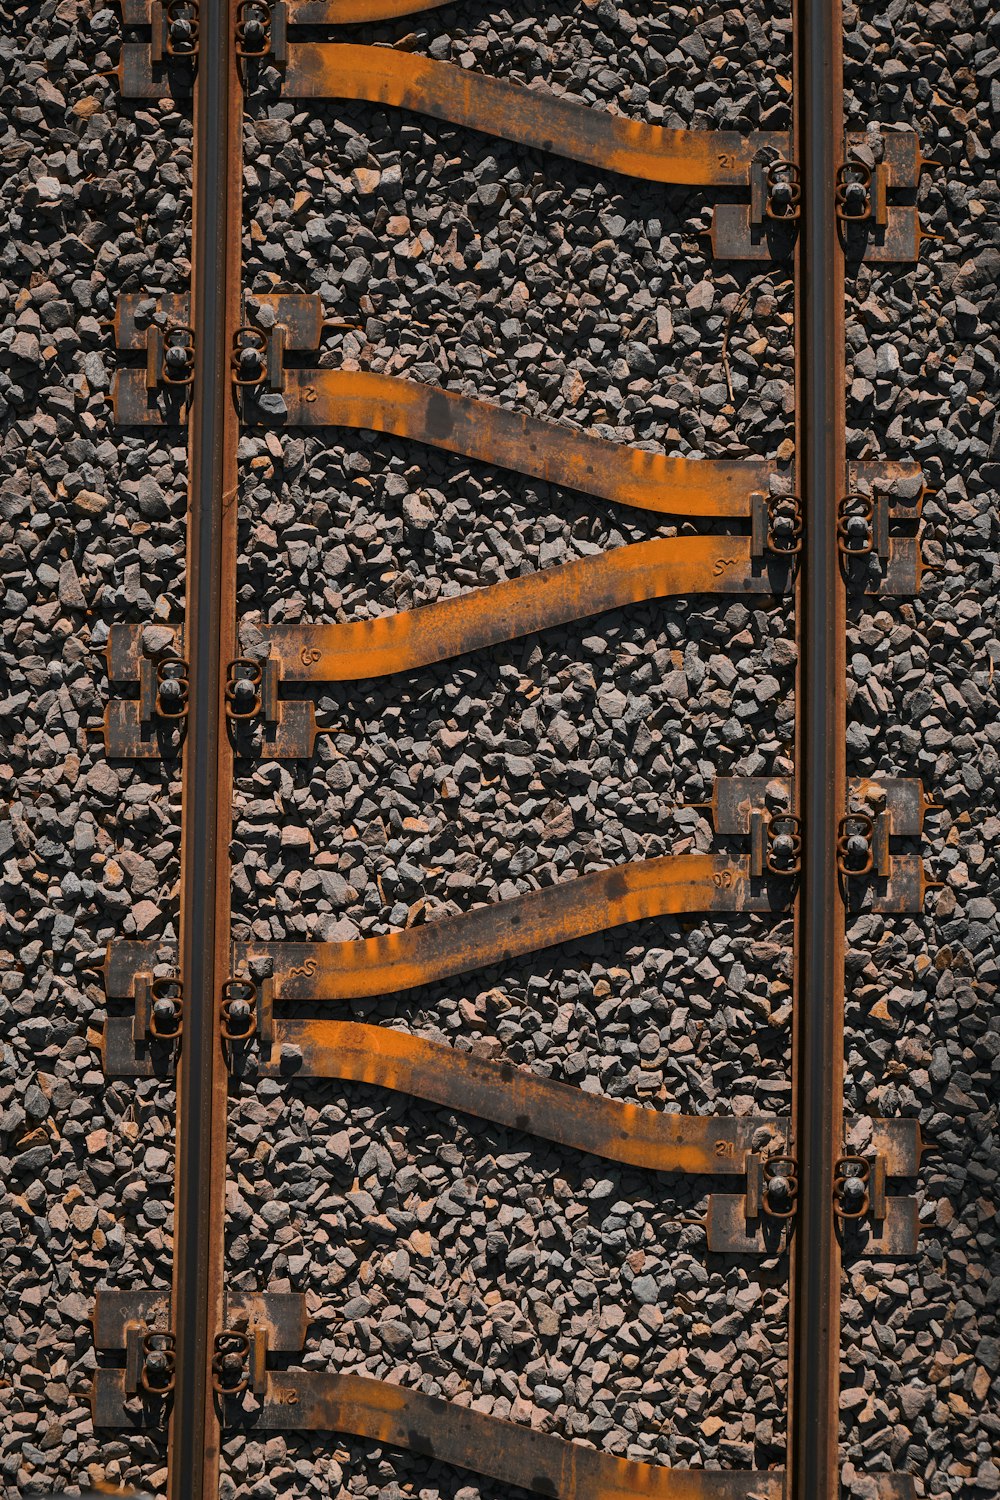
[(211, 628), (818, 1062)]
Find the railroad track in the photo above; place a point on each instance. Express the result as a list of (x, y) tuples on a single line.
[(813, 845)]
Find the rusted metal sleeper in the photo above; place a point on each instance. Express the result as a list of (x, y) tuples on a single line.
[(529, 116), (512, 1096), (505, 930), (552, 451), (354, 12), (542, 449), (318, 1401), (313, 1401), (504, 611)]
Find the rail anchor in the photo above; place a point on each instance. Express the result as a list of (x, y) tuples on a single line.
[(262, 31)]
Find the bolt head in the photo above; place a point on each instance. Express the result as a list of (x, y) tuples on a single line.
[(779, 1189)]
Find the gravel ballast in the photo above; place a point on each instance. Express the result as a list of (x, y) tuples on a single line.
[(444, 1253), (94, 201), (437, 1251), (921, 1360)]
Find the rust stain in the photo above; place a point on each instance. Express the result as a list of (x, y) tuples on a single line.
[(314, 1401), (532, 117), (669, 885), (504, 611), (515, 1097), (546, 450), (353, 12)]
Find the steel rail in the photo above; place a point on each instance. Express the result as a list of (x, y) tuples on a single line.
[(530, 117), (541, 448), (210, 609), (818, 1064)]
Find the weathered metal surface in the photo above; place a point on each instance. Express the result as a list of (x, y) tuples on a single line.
[(512, 1096), (123, 1056), (902, 890), (894, 1486), (735, 798), (898, 884), (734, 236), (821, 692), (506, 930), (115, 1310), (504, 611), (135, 1322), (283, 1314), (901, 154), (314, 1401), (670, 885), (133, 728), (126, 958), (903, 798), (124, 650), (545, 450), (731, 1232), (477, 429), (299, 314), (899, 1143), (291, 735), (728, 1230), (111, 1404), (141, 399), (353, 12), (870, 558), (151, 725), (203, 903), (901, 572), (136, 404), (127, 736), (900, 480), (898, 1234), (897, 240), (140, 78), (765, 230), (529, 116)]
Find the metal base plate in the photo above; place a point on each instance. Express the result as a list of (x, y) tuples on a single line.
[(731, 1233), (734, 237)]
